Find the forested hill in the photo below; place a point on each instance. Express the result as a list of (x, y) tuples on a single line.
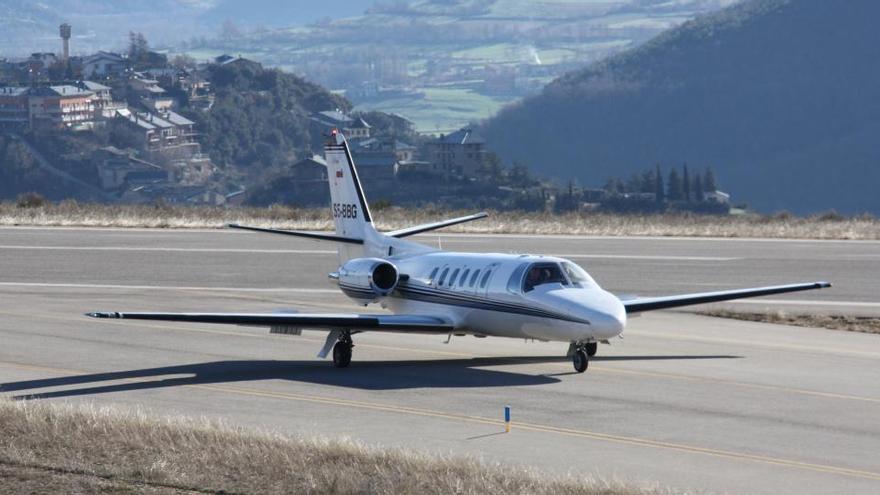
[(781, 97), (260, 118)]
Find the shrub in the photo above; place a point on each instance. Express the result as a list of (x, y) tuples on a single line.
[(31, 200)]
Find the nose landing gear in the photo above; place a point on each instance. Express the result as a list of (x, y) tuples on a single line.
[(579, 354), (580, 360)]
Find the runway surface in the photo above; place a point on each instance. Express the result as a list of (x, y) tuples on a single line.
[(684, 401)]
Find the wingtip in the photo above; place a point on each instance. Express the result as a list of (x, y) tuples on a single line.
[(824, 285), (103, 315)]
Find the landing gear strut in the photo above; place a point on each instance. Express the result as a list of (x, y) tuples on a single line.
[(342, 351), (591, 348)]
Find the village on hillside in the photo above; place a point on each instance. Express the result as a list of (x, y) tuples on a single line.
[(130, 128)]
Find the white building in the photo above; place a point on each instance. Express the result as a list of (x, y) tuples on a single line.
[(103, 65), (718, 197)]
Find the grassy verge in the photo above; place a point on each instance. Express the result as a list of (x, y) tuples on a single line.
[(84, 449), (862, 324), (782, 226)]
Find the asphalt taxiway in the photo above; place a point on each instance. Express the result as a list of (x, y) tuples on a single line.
[(683, 400)]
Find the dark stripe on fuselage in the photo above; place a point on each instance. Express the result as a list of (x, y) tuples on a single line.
[(506, 306), (357, 292), (425, 294)]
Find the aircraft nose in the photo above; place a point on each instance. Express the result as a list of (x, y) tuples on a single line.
[(603, 313), (607, 316), (607, 324)]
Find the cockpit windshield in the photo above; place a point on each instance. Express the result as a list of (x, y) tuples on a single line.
[(577, 275), (528, 276), (541, 274)]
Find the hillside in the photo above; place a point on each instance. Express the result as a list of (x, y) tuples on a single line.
[(257, 126), (782, 97), (260, 118)]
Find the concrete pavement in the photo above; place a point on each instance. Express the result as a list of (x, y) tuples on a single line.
[(684, 401)]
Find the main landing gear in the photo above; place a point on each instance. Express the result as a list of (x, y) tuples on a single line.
[(342, 351)]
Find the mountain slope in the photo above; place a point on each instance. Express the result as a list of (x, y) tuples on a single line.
[(782, 97)]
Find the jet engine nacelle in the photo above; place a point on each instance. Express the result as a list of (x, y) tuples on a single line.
[(368, 279)]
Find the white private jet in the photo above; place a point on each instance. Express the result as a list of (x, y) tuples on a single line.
[(433, 291)]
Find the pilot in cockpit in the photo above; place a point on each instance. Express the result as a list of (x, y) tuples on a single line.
[(542, 274), (534, 278)]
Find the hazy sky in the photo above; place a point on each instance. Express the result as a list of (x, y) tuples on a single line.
[(288, 12)]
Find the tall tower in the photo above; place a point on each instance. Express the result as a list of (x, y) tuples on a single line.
[(65, 40)]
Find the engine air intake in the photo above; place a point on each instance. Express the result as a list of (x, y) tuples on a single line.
[(368, 279)]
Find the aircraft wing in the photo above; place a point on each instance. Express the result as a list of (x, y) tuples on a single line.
[(653, 303), (436, 225), (388, 323), (299, 233)]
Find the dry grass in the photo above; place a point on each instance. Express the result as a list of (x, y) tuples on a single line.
[(862, 324), (86, 449), (783, 226)]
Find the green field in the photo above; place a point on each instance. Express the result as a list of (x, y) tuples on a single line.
[(441, 110)]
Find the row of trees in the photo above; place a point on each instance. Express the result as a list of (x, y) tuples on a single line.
[(678, 187)]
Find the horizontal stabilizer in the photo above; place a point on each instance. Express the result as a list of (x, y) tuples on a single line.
[(297, 233), (653, 303), (388, 323), (436, 225)]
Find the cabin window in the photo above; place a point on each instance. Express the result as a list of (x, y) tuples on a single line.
[(433, 274), (515, 284), (443, 277), (474, 278), (454, 277), (485, 279), (541, 274), (464, 277)]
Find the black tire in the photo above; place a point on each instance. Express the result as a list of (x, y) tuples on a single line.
[(580, 361), (591, 348), (342, 355)]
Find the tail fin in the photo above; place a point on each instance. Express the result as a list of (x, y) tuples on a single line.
[(348, 205), (355, 235)]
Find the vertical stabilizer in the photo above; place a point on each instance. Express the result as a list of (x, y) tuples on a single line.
[(348, 205)]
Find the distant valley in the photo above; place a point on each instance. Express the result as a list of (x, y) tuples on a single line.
[(440, 63)]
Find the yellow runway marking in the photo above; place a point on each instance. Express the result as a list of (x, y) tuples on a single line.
[(618, 439), (776, 388), (706, 451)]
